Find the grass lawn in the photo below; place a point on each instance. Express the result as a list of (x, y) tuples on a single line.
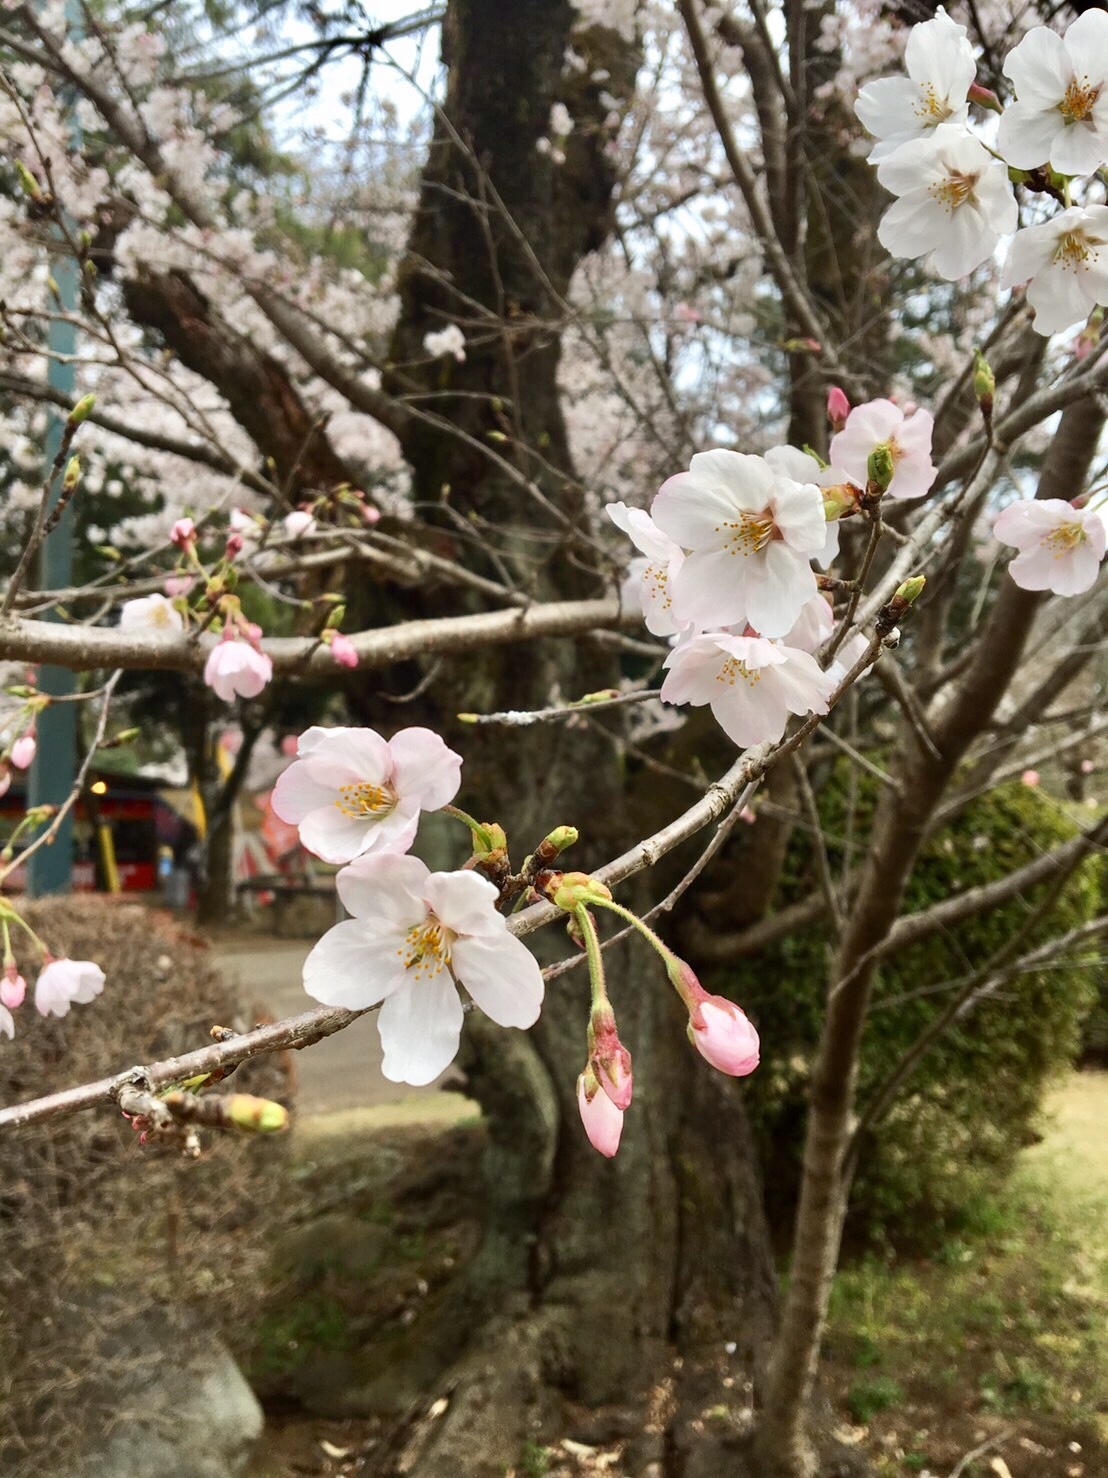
[(1001, 1341)]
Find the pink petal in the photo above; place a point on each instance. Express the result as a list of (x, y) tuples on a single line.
[(424, 767), (354, 966)]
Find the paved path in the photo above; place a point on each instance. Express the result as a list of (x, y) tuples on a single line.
[(342, 1072)]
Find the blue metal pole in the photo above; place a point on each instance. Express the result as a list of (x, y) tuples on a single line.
[(50, 869)]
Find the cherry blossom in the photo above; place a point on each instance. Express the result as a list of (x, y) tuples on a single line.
[(908, 438), (176, 585), (751, 531), (350, 791), (724, 1036), (751, 684), (61, 983), (298, 523), (955, 202), (1065, 259), (602, 1118), (150, 613), (449, 340), (648, 580), (1060, 546), (236, 669), (413, 934), (23, 752), (1060, 115), (812, 627), (941, 69)]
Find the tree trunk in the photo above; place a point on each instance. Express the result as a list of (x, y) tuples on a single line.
[(590, 1270)]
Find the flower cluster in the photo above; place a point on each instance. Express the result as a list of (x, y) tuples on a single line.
[(413, 935), (954, 191), (728, 563)]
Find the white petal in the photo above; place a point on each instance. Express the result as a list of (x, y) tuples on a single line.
[(1040, 69), (333, 835), (502, 976), (423, 766), (387, 887), (296, 794), (777, 587), (348, 756), (709, 589), (354, 965), (465, 902), (420, 1029)]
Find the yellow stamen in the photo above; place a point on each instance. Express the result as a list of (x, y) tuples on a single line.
[(1064, 539), (930, 106), (1078, 101), (426, 947), (750, 533), (1073, 252), (364, 800), (732, 668), (954, 191)]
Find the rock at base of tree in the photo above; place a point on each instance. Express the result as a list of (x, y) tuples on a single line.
[(184, 1410)]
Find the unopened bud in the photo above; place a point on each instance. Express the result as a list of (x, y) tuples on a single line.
[(72, 475), (82, 410), (984, 97), (490, 841), (881, 466), (838, 408), (125, 736), (839, 501), (335, 616), (911, 590), (28, 181), (554, 844), (256, 1115), (984, 385), (576, 888)]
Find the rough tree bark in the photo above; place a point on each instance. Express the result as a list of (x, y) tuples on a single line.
[(590, 1270)]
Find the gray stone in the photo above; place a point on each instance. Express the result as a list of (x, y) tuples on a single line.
[(182, 1410)]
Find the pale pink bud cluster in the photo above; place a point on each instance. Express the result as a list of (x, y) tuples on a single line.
[(183, 533)]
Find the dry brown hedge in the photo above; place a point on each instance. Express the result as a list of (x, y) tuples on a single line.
[(95, 1228)]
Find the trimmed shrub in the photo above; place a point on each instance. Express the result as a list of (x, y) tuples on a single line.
[(970, 1105), (96, 1229)]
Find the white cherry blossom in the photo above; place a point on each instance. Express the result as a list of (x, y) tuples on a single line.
[(237, 669), (1060, 116), (1060, 546), (1066, 261), (803, 467), (881, 423), (349, 791), (751, 531), (413, 935), (941, 68), (751, 684), (955, 202), (150, 613), (61, 983), (648, 580)]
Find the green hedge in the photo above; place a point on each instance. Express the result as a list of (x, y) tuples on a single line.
[(971, 1103)]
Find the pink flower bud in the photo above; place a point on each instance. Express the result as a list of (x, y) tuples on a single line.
[(984, 97), (370, 514), (838, 408), (1030, 778), (177, 585), (23, 752), (609, 1058), (183, 533), (602, 1120), (1087, 767), (722, 1034), (233, 548), (343, 650), (12, 988)]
